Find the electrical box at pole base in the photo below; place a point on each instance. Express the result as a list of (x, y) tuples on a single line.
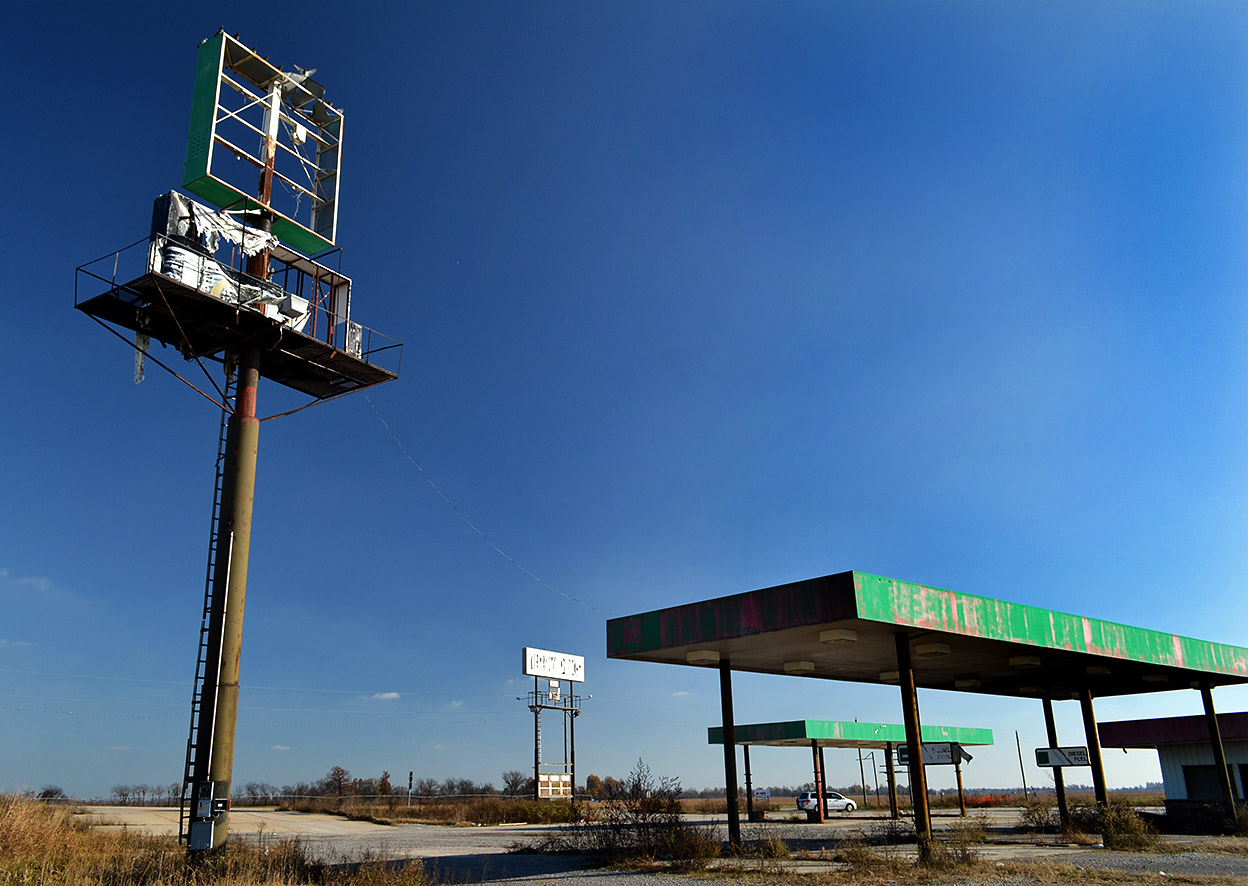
[(201, 835), (211, 802)]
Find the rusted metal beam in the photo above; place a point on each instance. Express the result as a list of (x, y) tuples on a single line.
[(1094, 747), (235, 545), (1219, 752), (818, 768), (823, 785)]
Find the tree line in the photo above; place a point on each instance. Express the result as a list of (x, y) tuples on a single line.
[(339, 782)]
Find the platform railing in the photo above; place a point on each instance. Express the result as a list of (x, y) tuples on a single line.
[(326, 321)]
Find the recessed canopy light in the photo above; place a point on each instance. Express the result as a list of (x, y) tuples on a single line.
[(1097, 671), (799, 667), (702, 656), (1024, 661), (838, 635), (931, 650), (966, 684), (890, 676)]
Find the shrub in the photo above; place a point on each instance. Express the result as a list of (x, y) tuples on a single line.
[(1039, 815), (639, 815), (972, 829), (952, 853), (1117, 823), (638, 820), (891, 832), (1239, 827)]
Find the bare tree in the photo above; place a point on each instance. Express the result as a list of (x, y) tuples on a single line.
[(335, 782), (513, 782), (426, 787)]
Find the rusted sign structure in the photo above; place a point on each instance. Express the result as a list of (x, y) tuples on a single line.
[(559, 779), (820, 734), (870, 629), (229, 286)]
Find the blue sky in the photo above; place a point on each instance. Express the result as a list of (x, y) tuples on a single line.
[(697, 298)]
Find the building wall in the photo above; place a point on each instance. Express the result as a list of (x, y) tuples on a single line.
[(1174, 757)]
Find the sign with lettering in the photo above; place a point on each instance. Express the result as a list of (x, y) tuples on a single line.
[(1077, 756), (935, 753), (554, 665)]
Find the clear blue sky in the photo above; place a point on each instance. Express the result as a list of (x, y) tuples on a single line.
[(698, 297)]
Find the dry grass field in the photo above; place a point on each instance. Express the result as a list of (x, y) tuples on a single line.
[(51, 844)]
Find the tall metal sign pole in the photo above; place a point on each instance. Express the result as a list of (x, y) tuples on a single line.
[(209, 286), (233, 539), (555, 667)]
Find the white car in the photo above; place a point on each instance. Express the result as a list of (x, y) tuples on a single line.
[(832, 802)]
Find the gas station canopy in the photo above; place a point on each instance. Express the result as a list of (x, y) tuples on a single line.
[(844, 627)]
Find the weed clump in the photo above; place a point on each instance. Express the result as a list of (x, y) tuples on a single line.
[(639, 822), (1117, 823), (44, 844), (1039, 816)]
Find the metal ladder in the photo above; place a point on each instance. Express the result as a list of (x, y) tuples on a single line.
[(202, 659)]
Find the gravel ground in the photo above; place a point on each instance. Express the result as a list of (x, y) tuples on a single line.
[(1183, 863), (485, 854)]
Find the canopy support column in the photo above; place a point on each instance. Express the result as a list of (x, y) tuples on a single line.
[(749, 786), (892, 780), (1094, 747), (818, 767), (1059, 780), (1219, 752), (914, 743), (730, 752)]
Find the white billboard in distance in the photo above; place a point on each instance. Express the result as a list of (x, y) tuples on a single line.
[(555, 665)]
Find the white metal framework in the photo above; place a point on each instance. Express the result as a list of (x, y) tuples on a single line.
[(247, 109)]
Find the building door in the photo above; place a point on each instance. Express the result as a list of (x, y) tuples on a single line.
[(1202, 782)]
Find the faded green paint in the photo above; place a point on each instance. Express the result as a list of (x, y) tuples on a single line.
[(844, 733), (849, 596), (904, 603), (743, 615), (293, 234), (203, 108)]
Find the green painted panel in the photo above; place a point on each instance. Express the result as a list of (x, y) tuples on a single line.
[(904, 603), (792, 730), (967, 735), (847, 731), (203, 109), (293, 234)]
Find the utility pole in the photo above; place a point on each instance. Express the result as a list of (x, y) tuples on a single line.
[(1021, 770)]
